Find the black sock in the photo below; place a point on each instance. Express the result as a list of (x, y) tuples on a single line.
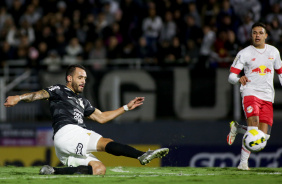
[(118, 149), (74, 170)]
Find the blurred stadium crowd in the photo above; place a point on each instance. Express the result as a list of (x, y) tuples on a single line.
[(206, 33)]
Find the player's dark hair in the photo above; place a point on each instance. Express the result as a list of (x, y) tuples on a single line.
[(259, 24), (70, 70)]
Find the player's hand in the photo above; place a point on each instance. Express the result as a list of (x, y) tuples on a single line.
[(11, 101), (137, 101), (243, 80)]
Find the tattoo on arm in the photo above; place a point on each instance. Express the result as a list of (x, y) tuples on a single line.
[(39, 95)]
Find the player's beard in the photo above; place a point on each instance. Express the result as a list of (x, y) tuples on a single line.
[(76, 88)]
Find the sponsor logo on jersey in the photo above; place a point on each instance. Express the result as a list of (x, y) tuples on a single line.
[(261, 70), (253, 59), (250, 109), (52, 88)]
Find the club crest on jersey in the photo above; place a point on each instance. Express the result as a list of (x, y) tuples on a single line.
[(249, 109), (261, 70), (270, 58)]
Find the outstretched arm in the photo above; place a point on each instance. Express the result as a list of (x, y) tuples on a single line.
[(27, 97), (103, 117)]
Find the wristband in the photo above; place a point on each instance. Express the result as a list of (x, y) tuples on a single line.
[(125, 107)]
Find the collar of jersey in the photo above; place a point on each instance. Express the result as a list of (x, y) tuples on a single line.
[(72, 90)]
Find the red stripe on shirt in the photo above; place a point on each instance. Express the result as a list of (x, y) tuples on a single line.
[(235, 70), (278, 71)]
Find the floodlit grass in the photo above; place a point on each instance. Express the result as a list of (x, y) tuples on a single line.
[(148, 175)]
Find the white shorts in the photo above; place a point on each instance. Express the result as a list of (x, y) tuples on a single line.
[(71, 142)]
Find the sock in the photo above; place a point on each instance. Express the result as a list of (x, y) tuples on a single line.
[(245, 154), (241, 129), (267, 136), (118, 149), (74, 170)]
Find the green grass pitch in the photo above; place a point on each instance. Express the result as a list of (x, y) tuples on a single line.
[(148, 175)]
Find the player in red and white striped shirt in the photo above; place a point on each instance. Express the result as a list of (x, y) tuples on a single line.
[(259, 61)]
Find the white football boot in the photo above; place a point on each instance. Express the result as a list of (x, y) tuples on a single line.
[(243, 166), (151, 154), (46, 170), (233, 132)]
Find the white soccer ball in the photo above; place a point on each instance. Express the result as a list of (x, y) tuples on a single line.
[(254, 140)]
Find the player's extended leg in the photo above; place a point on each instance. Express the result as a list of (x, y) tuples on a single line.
[(118, 149), (46, 170), (235, 128), (253, 123)]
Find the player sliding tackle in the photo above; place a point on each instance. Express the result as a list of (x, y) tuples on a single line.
[(73, 142), (259, 62)]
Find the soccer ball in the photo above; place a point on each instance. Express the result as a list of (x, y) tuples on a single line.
[(254, 140)]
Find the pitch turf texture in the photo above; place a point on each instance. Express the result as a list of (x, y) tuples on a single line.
[(147, 175)]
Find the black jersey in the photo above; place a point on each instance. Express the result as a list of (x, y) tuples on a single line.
[(67, 107)]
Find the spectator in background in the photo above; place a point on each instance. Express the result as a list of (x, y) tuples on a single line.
[(174, 53), (30, 15), (99, 50), (46, 35), (274, 31), (191, 55), (191, 30), (243, 34), (144, 51), (113, 49), (74, 52), (113, 30), (15, 36), (52, 61), (206, 47), (42, 48), (130, 16), (60, 45), (168, 30), (275, 13), (101, 23), (209, 12), (192, 11), (243, 7), (151, 27), (90, 28), (16, 10), (231, 45), (6, 52), (4, 15)]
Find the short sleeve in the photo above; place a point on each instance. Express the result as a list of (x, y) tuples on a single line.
[(89, 109), (277, 63), (53, 91), (237, 64)]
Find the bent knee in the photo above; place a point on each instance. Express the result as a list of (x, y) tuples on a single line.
[(98, 168)]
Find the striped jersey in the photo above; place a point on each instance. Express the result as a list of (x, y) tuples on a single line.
[(259, 66)]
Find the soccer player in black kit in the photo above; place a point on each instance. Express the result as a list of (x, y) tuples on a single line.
[(72, 140)]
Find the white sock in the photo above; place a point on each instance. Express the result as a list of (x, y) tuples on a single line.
[(267, 136), (245, 154)]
